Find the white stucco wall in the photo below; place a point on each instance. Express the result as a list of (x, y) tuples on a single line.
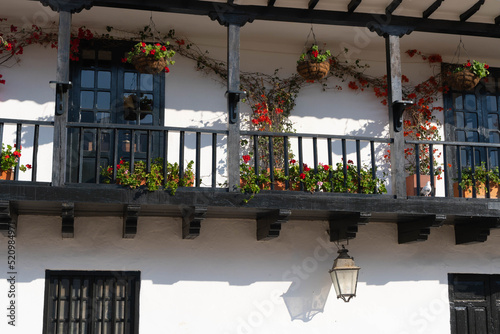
[(226, 281)]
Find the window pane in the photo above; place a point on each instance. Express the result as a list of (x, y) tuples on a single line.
[(470, 102), (493, 121), (130, 81), (494, 137), (471, 119), (458, 102), (104, 79), (146, 103), (88, 141), (146, 82), (460, 119), (103, 117), (87, 80), (491, 103), (87, 100), (87, 117), (472, 136), (103, 100)]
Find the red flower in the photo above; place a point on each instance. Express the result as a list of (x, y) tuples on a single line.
[(118, 166), (163, 48), (122, 162), (302, 176), (157, 44), (255, 121), (486, 66), (13, 28), (7, 156), (293, 161), (167, 69), (246, 158), (326, 167), (124, 60), (143, 44), (306, 168), (315, 53), (152, 52), (28, 166), (17, 154), (468, 64)]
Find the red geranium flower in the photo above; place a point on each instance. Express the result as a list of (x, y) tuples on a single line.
[(302, 176), (246, 158)]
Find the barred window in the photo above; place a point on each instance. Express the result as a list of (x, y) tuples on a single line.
[(91, 302)]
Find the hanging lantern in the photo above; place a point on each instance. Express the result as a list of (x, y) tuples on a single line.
[(344, 275)]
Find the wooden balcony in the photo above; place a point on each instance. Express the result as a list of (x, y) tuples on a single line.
[(82, 194)]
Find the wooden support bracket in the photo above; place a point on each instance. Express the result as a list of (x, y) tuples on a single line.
[(130, 218), (269, 224), (8, 219), (344, 226), (191, 221), (418, 229), (474, 229), (68, 220)]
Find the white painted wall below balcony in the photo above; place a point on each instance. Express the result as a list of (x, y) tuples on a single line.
[(227, 282)]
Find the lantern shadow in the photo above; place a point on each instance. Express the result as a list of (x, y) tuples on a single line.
[(306, 298)]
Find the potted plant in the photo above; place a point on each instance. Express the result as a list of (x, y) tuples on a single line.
[(250, 182), (478, 179), (172, 180), (314, 64), (467, 76), (9, 160), (150, 58)]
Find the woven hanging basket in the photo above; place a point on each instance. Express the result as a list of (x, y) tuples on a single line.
[(462, 80), (149, 65), (313, 70)]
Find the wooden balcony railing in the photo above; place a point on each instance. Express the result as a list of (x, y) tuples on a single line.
[(208, 150)]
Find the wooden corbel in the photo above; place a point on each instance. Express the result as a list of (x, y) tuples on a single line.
[(474, 229), (8, 219), (418, 229), (191, 221), (130, 218), (344, 226), (68, 220), (269, 224)]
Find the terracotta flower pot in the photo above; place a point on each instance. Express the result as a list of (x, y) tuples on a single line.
[(411, 184), (481, 193), (7, 175)]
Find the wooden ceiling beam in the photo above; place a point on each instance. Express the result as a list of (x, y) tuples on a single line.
[(392, 7), (471, 11), (351, 7), (299, 15), (432, 8), (312, 4), (270, 3), (497, 20)]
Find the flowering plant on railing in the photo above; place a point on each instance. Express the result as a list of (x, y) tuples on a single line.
[(10, 158), (479, 178), (153, 179), (250, 182), (328, 179)]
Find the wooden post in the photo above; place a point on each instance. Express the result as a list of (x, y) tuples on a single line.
[(233, 85), (61, 118), (395, 93)]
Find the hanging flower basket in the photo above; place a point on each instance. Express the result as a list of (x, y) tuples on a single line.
[(463, 80), (312, 70), (466, 76), (149, 65), (314, 64), (150, 58)]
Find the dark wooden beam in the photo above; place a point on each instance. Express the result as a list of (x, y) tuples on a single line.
[(470, 230), (269, 224), (283, 14), (130, 218), (471, 11), (353, 4), (68, 220), (497, 20), (418, 229), (344, 226), (392, 7), (8, 219), (191, 221), (312, 4), (73, 6), (432, 8), (270, 3)]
